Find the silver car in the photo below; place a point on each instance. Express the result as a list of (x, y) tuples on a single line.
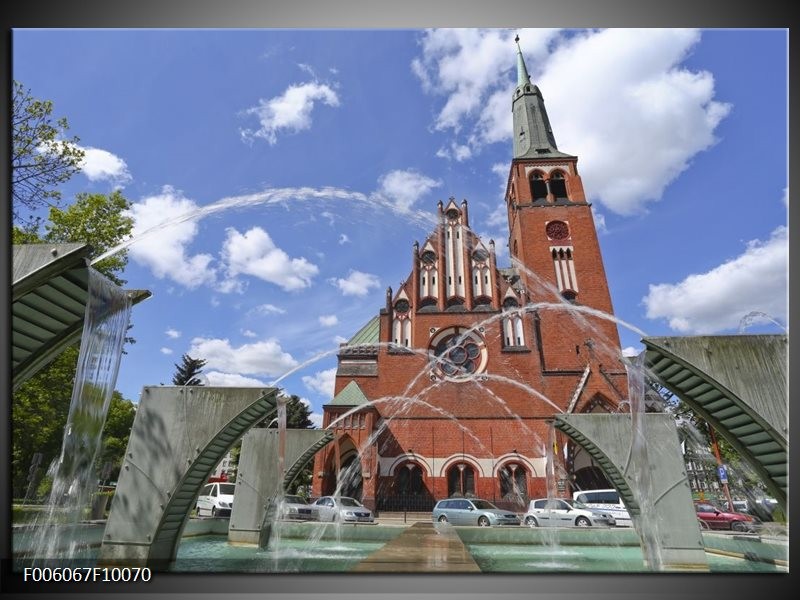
[(343, 509), (472, 511), (558, 512), (295, 508)]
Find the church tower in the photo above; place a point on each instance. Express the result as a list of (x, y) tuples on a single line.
[(552, 235), (450, 390)]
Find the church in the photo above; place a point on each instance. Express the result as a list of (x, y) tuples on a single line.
[(450, 389)]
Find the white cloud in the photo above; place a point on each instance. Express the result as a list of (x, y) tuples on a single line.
[(618, 98), (266, 357), (102, 165), (402, 189), (339, 339), (321, 382), (755, 281), (168, 258), (343, 239), (249, 333), (218, 379), (316, 419), (631, 351), (599, 220), (356, 283), (328, 320), (291, 111), (269, 309), (466, 65), (166, 350), (173, 333), (456, 151), (254, 253)]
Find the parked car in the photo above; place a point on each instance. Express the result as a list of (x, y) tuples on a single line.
[(741, 506), (296, 508), (215, 500), (714, 518), (472, 511), (558, 512), (608, 501), (343, 509)]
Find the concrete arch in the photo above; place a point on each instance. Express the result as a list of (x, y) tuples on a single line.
[(737, 384), (607, 438), (170, 456)]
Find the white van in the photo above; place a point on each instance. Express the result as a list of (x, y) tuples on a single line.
[(216, 500), (606, 500)]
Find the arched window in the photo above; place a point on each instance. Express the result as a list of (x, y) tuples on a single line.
[(408, 480), (461, 480), (538, 186), (513, 329), (514, 483), (558, 186)]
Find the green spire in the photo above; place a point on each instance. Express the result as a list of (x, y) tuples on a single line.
[(533, 136), (522, 71)]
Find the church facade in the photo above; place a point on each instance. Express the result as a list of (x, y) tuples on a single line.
[(451, 388)]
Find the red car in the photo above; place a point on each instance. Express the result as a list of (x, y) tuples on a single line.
[(715, 518)]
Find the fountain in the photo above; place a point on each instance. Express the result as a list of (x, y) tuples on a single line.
[(475, 354)]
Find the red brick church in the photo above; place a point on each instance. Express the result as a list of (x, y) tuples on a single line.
[(449, 390)]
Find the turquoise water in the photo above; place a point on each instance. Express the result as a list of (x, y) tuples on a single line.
[(213, 553), (513, 558)]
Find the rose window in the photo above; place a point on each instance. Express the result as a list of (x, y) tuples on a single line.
[(459, 353), (557, 230)]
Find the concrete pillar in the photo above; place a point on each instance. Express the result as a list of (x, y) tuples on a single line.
[(607, 438), (179, 435), (258, 479)]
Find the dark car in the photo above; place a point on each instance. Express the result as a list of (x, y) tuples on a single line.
[(472, 511), (714, 518)]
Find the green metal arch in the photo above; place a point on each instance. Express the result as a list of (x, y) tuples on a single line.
[(182, 498), (758, 442)]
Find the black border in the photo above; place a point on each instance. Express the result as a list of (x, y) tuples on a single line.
[(350, 14)]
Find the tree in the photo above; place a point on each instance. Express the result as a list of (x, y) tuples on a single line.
[(188, 370), (42, 157), (40, 406), (116, 432), (99, 220), (38, 414), (298, 414)]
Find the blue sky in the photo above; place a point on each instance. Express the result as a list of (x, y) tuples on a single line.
[(311, 161)]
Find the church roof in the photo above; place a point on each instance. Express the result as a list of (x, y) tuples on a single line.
[(368, 334), (351, 395)]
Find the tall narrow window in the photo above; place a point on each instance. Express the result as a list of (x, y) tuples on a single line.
[(558, 187), (564, 266), (538, 186), (512, 324)]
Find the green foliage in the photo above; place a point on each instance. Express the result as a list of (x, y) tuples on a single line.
[(40, 406), (298, 414), (98, 220), (38, 414), (116, 432), (42, 157), (186, 373)]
